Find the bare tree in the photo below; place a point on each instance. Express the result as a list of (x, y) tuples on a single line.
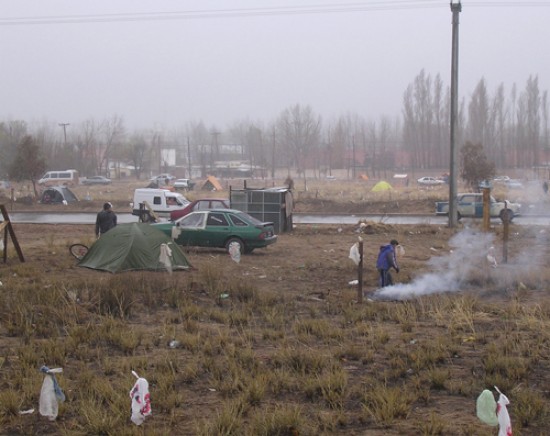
[(111, 136), (11, 135), (300, 130), (533, 101), (29, 163), (419, 113), (137, 152), (441, 122), (499, 121), (544, 136), (199, 140), (478, 114), (338, 141), (87, 144)]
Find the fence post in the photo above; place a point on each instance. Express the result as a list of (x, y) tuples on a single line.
[(505, 233), (360, 272)]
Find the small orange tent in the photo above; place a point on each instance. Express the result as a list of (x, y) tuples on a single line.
[(212, 184)]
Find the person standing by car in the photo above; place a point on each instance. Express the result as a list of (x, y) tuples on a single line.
[(106, 220), (387, 260)]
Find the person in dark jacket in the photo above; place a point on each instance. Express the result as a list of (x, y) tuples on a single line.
[(387, 260), (106, 220)]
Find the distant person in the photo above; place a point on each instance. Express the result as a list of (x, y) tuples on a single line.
[(106, 220), (289, 182), (545, 187), (386, 261)]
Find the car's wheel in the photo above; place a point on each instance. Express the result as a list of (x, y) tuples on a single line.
[(78, 250), (458, 215), (235, 242), (506, 214)]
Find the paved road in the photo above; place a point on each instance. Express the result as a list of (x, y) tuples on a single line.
[(89, 218)]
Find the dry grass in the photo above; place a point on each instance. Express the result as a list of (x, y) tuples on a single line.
[(288, 351)]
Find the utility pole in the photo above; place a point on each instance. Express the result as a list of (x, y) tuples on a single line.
[(214, 152), (456, 8), (273, 154), (64, 125), (156, 141), (329, 154), (189, 157), (354, 162)]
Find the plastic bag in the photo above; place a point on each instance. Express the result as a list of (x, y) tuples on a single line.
[(176, 231), (494, 413), (141, 400), (504, 422), (354, 253), (50, 394), (400, 251), (235, 251), (486, 408), (165, 257)]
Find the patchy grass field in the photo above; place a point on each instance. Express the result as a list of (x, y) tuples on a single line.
[(279, 344)]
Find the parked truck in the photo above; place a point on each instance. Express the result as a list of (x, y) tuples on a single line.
[(471, 205)]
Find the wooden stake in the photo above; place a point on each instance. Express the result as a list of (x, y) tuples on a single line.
[(360, 272), (8, 229)]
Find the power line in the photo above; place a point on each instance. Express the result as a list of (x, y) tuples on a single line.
[(221, 13), (385, 5), (330, 8)]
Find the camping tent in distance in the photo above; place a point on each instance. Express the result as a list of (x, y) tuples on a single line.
[(130, 247), (382, 186), (57, 195)]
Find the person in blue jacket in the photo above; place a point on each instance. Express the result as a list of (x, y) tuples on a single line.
[(387, 260)]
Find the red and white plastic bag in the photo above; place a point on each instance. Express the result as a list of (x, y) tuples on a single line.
[(141, 400)]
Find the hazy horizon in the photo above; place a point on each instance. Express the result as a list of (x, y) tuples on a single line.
[(167, 62)]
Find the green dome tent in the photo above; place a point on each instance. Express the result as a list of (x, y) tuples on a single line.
[(135, 246), (381, 186)]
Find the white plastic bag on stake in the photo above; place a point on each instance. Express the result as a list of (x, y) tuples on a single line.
[(141, 400), (50, 394), (504, 422), (354, 253)]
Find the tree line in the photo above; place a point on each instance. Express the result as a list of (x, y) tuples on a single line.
[(511, 125)]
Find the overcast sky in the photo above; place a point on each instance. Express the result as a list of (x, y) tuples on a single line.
[(204, 60)]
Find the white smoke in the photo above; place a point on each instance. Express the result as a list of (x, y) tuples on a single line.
[(468, 251)]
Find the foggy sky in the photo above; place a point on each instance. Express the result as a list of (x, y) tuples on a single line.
[(221, 68)]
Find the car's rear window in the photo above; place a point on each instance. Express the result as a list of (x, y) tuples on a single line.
[(237, 221), (247, 218)]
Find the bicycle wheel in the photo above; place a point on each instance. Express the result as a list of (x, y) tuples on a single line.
[(78, 250)]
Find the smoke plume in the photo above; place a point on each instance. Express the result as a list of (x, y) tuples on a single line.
[(468, 250)]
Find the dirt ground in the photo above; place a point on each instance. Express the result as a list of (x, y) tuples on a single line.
[(311, 264), (312, 259)]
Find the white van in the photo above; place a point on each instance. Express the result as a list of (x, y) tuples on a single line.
[(65, 177), (160, 201)]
